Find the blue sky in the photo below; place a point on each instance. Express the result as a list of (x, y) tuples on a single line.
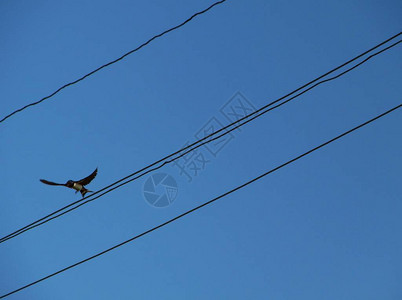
[(325, 227)]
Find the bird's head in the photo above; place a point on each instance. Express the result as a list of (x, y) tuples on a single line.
[(70, 183)]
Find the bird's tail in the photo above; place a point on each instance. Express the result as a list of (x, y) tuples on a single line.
[(84, 191)]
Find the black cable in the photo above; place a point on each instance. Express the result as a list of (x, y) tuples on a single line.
[(112, 62), (188, 151), (56, 215), (206, 203)]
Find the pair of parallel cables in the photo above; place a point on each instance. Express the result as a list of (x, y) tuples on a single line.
[(207, 139), (261, 111)]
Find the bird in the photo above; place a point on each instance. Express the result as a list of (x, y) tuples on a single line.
[(77, 185)]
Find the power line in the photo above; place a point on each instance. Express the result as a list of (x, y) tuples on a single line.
[(206, 139), (46, 219), (114, 61), (206, 203)]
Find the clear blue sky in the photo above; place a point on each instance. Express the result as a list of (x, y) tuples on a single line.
[(326, 227)]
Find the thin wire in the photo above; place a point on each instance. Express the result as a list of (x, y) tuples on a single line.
[(112, 62), (206, 203), (56, 215), (188, 151), (31, 226)]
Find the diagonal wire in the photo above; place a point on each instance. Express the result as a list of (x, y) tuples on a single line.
[(206, 203), (26, 227), (256, 114), (112, 62), (190, 150)]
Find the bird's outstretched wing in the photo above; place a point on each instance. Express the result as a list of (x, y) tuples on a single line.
[(89, 178), (50, 183)]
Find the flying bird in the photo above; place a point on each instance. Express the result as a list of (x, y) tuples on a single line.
[(78, 186)]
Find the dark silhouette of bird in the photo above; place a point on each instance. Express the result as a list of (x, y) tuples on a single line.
[(77, 185)]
